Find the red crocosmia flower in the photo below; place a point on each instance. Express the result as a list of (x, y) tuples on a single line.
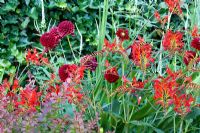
[(55, 33), (48, 40), (196, 43), (29, 99), (79, 74), (32, 57), (174, 6), (51, 89), (15, 84), (173, 75), (159, 19), (195, 31), (74, 95), (65, 28), (6, 85), (111, 75), (157, 15), (141, 54), (36, 58), (164, 89), (109, 46), (188, 57), (89, 62), (67, 71), (182, 103), (137, 84), (122, 34), (173, 41)]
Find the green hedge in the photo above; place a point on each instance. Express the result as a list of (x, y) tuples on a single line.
[(18, 32)]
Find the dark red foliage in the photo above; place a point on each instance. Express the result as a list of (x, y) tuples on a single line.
[(196, 43), (48, 40), (188, 56), (66, 71), (66, 28), (111, 75)]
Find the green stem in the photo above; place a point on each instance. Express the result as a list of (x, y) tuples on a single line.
[(181, 127), (175, 124), (63, 52), (175, 62), (71, 49)]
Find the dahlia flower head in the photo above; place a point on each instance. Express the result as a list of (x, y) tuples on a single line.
[(51, 39), (122, 34), (111, 75), (196, 43), (67, 71), (89, 62)]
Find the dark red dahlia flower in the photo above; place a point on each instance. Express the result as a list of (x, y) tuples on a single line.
[(173, 41), (48, 40), (188, 57), (66, 28), (54, 32), (89, 62), (67, 71), (122, 34), (196, 43), (111, 75)]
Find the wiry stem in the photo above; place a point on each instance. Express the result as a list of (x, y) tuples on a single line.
[(43, 15), (71, 49)]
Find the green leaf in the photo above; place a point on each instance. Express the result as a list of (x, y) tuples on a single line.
[(5, 63), (27, 2), (143, 112), (25, 23), (197, 80), (2, 1), (145, 124), (33, 13), (20, 57), (193, 114)]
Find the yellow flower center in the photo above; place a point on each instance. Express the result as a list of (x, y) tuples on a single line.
[(123, 34)]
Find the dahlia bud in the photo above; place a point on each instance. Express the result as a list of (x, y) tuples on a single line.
[(111, 75), (90, 62)]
